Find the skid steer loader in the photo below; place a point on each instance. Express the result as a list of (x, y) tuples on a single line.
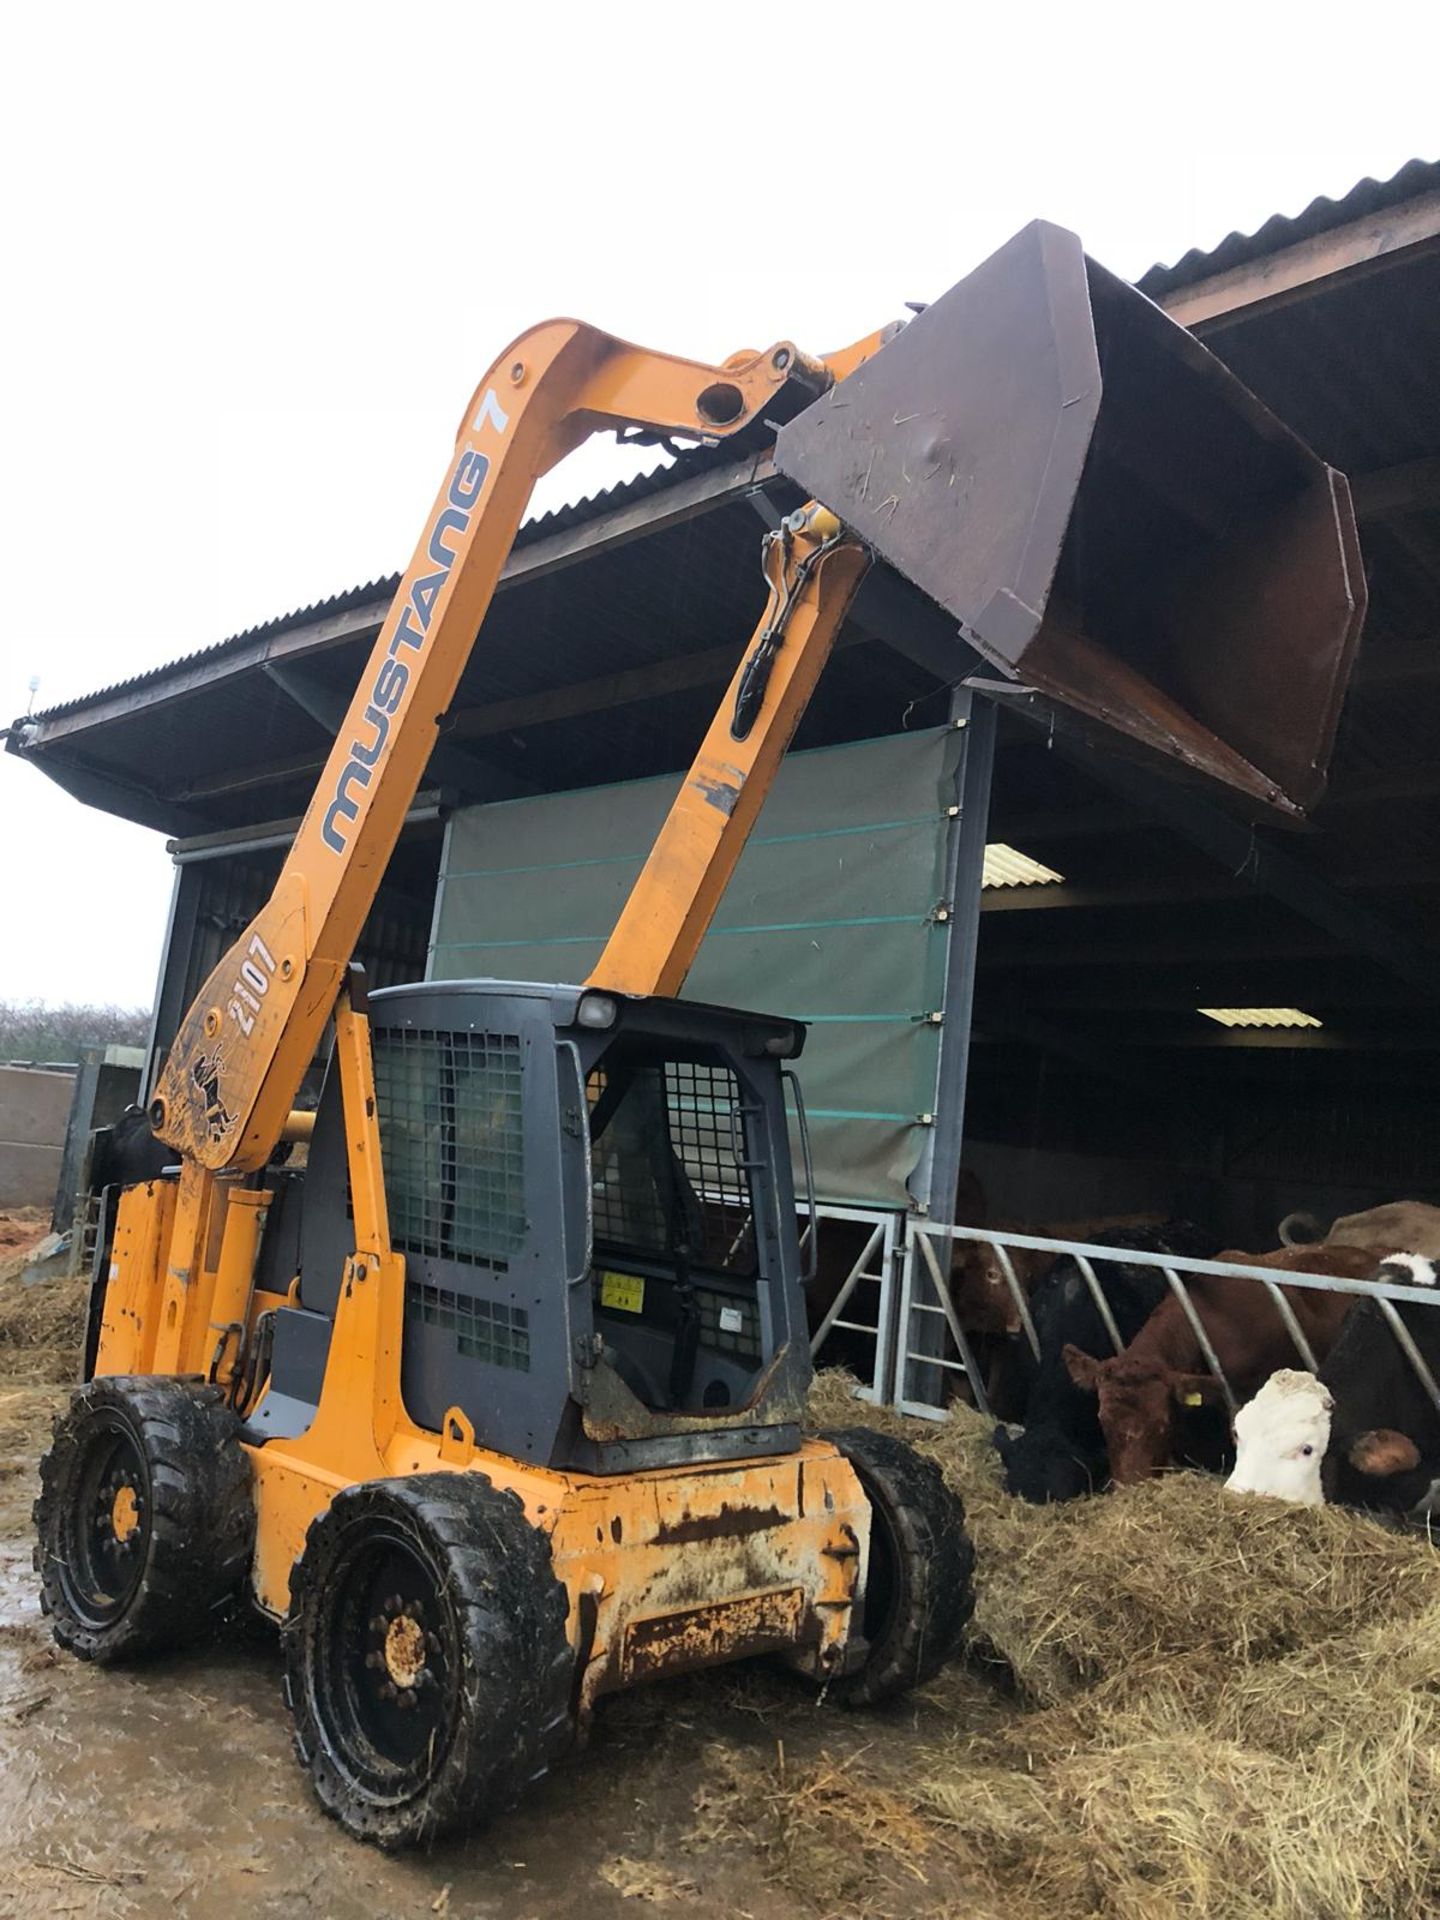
[(499, 1406)]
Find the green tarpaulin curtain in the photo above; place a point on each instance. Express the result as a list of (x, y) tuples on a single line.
[(829, 919)]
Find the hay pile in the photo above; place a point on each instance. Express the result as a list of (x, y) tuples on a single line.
[(41, 1329), (1225, 1707)]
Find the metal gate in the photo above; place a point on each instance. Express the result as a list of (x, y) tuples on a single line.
[(865, 1302), (934, 1356)]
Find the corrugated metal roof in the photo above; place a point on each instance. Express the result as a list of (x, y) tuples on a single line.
[(300, 617), (1008, 867), (1271, 1017), (686, 466), (1284, 230)]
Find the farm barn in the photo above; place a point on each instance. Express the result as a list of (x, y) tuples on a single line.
[(1004, 934), (1051, 994)]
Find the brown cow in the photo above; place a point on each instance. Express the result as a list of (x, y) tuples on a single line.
[(1409, 1225), (982, 1296), (1404, 1225), (1141, 1389), (985, 1303)]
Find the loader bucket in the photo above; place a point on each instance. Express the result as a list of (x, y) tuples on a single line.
[(1111, 516)]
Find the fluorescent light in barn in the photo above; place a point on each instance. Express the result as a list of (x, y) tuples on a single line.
[(1259, 1016), (1008, 867)]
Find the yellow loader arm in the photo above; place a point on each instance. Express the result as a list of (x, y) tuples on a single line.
[(237, 1061)]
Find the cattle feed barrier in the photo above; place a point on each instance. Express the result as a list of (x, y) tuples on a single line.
[(920, 1373), (874, 1267)]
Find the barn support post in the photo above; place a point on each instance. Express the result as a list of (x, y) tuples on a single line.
[(932, 1185), (937, 1173)]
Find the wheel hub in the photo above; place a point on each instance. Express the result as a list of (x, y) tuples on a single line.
[(405, 1650), (124, 1513)]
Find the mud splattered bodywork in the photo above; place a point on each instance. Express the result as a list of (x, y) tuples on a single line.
[(685, 1570)]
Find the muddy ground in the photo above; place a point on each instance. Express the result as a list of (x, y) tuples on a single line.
[(171, 1788)]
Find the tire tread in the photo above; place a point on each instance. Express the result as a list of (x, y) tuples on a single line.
[(202, 1523), (514, 1720), (937, 1575)]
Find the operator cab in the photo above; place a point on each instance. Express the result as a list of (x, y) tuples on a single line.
[(593, 1195)]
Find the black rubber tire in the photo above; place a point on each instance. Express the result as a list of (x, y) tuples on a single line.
[(920, 1592), (496, 1657), (169, 1449)]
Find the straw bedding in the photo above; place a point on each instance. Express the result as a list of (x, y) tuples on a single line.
[(1222, 1706)]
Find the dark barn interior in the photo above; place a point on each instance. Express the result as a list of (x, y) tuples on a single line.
[(1089, 1039)]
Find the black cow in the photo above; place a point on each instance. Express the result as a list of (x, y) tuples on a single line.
[(1061, 1453), (1384, 1450), (127, 1152)]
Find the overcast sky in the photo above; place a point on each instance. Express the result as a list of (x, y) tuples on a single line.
[(258, 256)]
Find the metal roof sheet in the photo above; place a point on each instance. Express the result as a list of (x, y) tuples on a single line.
[(1006, 866), (1284, 230), (689, 463)]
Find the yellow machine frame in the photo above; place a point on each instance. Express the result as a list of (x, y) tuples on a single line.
[(181, 1299)]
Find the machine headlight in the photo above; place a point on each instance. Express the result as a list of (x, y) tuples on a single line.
[(596, 1010)]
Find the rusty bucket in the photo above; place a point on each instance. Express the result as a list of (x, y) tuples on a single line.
[(1111, 516)]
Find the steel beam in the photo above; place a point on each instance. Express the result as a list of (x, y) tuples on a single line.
[(430, 805), (530, 560), (1240, 848), (933, 1183), (1369, 245)]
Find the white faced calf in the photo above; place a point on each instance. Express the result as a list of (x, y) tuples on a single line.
[(1280, 1439)]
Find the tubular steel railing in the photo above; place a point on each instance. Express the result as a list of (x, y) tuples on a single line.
[(925, 1299), (874, 1267)]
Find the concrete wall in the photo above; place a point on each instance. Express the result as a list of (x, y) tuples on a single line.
[(34, 1107), (107, 1081)]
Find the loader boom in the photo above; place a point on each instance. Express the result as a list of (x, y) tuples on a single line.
[(237, 1061), (814, 569), (995, 453)]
